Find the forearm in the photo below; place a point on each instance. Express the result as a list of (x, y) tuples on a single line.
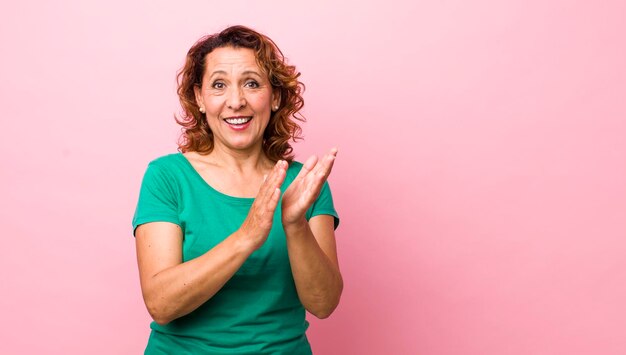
[(180, 289), (318, 280)]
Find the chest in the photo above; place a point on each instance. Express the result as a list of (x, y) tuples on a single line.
[(208, 218), (228, 182)]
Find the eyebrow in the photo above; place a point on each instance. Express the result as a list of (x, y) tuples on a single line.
[(251, 72), (247, 72)]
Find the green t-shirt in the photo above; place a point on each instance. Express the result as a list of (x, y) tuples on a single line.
[(258, 310)]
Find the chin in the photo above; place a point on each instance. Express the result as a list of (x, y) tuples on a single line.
[(243, 145)]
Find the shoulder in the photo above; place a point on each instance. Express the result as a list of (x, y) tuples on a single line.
[(167, 167), (166, 160)]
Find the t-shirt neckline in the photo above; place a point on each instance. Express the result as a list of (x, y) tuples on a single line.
[(211, 189)]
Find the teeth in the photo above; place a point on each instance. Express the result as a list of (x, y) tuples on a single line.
[(238, 120)]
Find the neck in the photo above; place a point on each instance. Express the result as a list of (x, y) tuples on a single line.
[(240, 161)]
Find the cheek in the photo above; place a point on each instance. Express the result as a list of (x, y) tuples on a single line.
[(260, 100), (214, 101)]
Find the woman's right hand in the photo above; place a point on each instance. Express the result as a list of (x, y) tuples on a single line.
[(257, 225)]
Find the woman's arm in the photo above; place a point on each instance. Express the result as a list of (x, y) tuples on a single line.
[(172, 288), (313, 258), (311, 245)]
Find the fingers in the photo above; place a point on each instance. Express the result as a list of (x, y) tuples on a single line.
[(329, 161), (314, 169), (326, 165), (310, 163), (258, 223), (315, 180), (273, 202), (272, 181), (261, 214), (308, 166), (276, 178)]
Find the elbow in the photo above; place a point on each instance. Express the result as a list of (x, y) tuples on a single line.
[(322, 314), (159, 317), (158, 313), (160, 320), (323, 310)]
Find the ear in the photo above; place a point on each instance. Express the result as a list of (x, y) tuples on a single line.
[(197, 90), (275, 98)]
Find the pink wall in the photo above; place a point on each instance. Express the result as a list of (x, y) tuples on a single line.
[(481, 175)]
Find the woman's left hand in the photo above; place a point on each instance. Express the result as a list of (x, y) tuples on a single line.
[(306, 187)]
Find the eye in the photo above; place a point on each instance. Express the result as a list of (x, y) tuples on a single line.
[(217, 85), (252, 84)]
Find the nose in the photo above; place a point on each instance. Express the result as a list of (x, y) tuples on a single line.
[(235, 99)]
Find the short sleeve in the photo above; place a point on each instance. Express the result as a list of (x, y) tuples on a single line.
[(324, 205), (157, 198)]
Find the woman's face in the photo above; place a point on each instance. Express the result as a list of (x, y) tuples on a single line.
[(237, 98)]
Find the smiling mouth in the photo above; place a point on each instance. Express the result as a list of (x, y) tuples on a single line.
[(236, 121)]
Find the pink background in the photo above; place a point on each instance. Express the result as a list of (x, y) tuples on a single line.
[(480, 180)]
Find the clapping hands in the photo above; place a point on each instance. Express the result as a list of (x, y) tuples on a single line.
[(297, 199), (305, 188), (257, 225)]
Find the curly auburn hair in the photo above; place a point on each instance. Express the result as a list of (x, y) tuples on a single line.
[(196, 134)]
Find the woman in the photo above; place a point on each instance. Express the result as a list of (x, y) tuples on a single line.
[(235, 239)]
